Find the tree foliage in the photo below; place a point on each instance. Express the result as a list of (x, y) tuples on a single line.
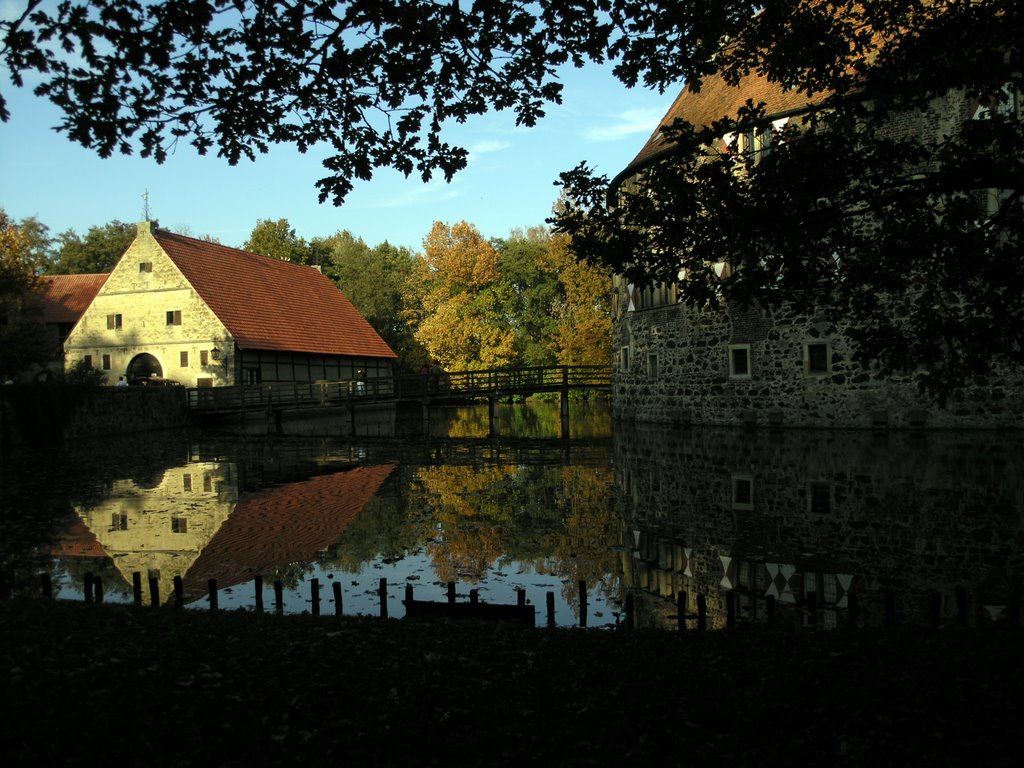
[(23, 339), (909, 240), (95, 253), (277, 239)]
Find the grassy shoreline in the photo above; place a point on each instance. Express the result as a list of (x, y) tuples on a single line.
[(124, 685)]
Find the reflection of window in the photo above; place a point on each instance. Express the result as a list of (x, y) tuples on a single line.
[(118, 522), (742, 491), (207, 483), (179, 525), (819, 497), (186, 482), (816, 358), (739, 361)]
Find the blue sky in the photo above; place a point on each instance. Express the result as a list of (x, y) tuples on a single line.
[(508, 183)]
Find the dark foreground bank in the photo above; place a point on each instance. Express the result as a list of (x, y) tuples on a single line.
[(86, 684)]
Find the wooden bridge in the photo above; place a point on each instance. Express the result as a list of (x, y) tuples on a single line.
[(428, 389)]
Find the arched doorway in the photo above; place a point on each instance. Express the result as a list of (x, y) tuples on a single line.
[(143, 366)]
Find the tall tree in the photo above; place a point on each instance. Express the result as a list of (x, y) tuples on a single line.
[(95, 253), (582, 312), (462, 322), (375, 280), (23, 338), (277, 239), (530, 291)]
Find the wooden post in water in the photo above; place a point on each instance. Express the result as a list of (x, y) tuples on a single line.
[(474, 596), (338, 606), (812, 608), (97, 589), (564, 404), (730, 609), (682, 605), (550, 599), (257, 583), (179, 592), (851, 610), (521, 597), (382, 590), (212, 586), (88, 587), (702, 612), (583, 598), (630, 611), (769, 608), (46, 585), (408, 598), (278, 596), (5, 590), (451, 592), (492, 430), (314, 596), (137, 587), (154, 591)]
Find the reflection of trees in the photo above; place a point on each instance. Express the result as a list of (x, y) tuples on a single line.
[(561, 519)]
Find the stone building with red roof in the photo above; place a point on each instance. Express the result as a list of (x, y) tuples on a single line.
[(748, 365), (203, 315)]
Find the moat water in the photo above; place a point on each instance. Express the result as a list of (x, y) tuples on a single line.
[(913, 527)]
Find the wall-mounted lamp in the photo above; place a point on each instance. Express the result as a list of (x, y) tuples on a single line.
[(215, 353)]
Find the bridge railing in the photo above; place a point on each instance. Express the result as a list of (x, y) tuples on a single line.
[(511, 380), (255, 396)]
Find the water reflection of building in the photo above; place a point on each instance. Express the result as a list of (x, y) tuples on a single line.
[(194, 523), (787, 513)]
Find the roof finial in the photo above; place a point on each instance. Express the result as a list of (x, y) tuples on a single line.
[(145, 205)]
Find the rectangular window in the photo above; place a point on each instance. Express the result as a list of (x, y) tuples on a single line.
[(145, 266), (186, 482), (106, 362), (174, 317), (179, 525), (816, 358), (739, 361), (819, 497), (204, 357), (624, 359), (113, 322), (87, 361), (118, 522), (652, 367), (207, 483), (184, 359), (742, 491)]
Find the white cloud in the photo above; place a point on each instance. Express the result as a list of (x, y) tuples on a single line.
[(630, 122), (488, 146)]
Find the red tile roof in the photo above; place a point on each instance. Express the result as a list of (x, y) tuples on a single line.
[(270, 304), (287, 524), (65, 297)]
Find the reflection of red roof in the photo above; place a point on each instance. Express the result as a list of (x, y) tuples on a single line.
[(65, 297), (271, 304), (288, 524), (77, 540)]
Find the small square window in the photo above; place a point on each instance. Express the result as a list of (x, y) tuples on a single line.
[(816, 358), (742, 491), (179, 524), (145, 266), (87, 361), (819, 497), (184, 359), (106, 362), (113, 322), (174, 317), (739, 361)]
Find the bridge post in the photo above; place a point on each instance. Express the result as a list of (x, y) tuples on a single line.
[(565, 402), (492, 430)]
